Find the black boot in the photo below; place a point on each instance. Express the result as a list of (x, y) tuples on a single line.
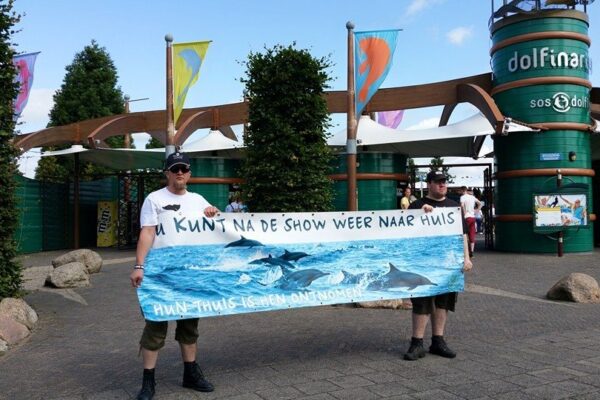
[(193, 378), (416, 350), (148, 384), (439, 347)]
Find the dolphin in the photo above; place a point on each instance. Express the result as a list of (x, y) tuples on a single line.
[(172, 207), (284, 264), (396, 278), (293, 255), (299, 279), (243, 242)]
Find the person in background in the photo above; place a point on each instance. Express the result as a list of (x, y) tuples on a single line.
[(407, 198), (468, 203), (234, 205), (479, 219), (173, 198)]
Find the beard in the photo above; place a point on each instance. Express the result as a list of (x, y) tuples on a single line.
[(179, 185)]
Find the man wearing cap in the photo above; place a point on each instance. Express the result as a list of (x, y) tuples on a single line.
[(434, 307), (174, 198)]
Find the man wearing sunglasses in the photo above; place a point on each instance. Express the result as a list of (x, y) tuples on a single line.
[(435, 307), (175, 199)]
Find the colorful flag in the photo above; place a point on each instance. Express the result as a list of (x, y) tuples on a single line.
[(391, 119), (24, 65), (373, 54), (187, 59)]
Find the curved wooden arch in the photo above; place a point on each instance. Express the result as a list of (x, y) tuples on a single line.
[(190, 125), (113, 127), (521, 173), (407, 97), (446, 114), (540, 36), (550, 80), (484, 103)]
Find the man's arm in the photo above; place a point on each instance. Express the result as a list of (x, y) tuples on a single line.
[(143, 247), (467, 264)]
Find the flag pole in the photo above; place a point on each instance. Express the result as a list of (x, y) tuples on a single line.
[(351, 123), (170, 145)]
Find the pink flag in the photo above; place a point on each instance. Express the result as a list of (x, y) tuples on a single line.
[(24, 65), (391, 119)]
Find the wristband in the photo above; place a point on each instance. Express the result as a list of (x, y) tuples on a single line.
[(138, 267)]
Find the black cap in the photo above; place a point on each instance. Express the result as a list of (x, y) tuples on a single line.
[(177, 159), (434, 176)]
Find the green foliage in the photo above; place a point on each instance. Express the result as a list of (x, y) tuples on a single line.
[(10, 269), (287, 157), (437, 164), (89, 90)]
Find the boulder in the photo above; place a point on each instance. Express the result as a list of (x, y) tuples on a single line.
[(11, 331), (20, 311), (577, 287), (393, 304), (69, 275), (91, 259), (3, 347)]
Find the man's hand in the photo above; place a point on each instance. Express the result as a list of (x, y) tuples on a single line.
[(427, 208), (136, 277), (467, 265), (211, 211)]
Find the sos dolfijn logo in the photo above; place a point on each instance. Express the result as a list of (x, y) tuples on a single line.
[(560, 102)]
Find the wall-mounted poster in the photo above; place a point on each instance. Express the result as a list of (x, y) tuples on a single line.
[(558, 210)]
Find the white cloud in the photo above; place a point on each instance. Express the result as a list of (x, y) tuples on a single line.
[(458, 35), (35, 114), (416, 6)]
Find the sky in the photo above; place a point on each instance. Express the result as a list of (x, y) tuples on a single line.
[(440, 40)]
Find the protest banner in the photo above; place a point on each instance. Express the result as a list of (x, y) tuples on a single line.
[(240, 263)]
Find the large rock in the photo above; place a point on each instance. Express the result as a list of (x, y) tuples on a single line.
[(11, 331), (69, 275), (91, 259), (18, 310), (3, 347), (577, 287), (393, 304)]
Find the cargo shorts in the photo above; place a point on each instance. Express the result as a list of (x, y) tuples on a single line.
[(155, 332), (426, 305)]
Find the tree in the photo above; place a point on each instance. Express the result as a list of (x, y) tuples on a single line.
[(10, 270), (287, 158), (89, 90), (437, 164)]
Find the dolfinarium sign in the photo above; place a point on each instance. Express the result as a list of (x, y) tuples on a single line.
[(545, 57)]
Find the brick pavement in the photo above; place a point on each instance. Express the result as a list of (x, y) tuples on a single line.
[(511, 344)]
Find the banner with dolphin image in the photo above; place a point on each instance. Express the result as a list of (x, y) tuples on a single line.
[(240, 263)]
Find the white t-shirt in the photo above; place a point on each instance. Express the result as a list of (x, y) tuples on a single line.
[(161, 201), (468, 202)]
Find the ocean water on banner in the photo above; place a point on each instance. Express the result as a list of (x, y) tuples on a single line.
[(209, 280)]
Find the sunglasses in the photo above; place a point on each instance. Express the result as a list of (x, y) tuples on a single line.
[(176, 168)]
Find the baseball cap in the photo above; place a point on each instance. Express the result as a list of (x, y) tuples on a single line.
[(434, 176), (177, 159)]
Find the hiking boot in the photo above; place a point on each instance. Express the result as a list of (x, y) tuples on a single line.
[(193, 378), (148, 384), (415, 351), (439, 347)]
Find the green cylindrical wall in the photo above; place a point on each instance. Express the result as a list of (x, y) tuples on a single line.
[(540, 103), (216, 194), (372, 194)]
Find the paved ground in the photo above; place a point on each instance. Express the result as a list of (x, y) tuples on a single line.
[(511, 343)]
